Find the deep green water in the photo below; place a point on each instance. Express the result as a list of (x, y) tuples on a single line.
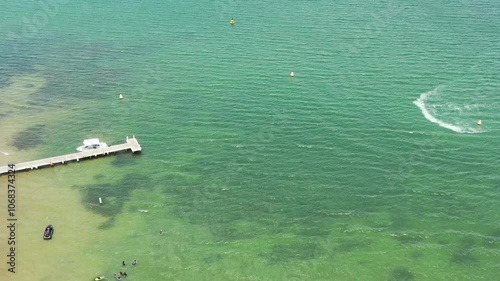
[(367, 165)]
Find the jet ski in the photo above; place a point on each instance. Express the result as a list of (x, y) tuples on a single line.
[(49, 231)]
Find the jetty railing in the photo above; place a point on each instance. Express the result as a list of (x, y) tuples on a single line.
[(131, 145)]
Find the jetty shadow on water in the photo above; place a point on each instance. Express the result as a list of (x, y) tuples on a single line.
[(124, 160)]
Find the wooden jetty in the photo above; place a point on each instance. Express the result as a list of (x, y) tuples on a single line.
[(132, 144)]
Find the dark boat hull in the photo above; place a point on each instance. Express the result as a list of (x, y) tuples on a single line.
[(49, 231)]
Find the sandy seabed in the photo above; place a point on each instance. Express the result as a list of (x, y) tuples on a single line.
[(40, 198)]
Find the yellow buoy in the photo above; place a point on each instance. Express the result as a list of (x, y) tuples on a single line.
[(232, 22), (479, 123)]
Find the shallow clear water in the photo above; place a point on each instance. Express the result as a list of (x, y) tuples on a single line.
[(367, 165)]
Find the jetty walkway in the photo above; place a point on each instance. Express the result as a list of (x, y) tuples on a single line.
[(132, 144)]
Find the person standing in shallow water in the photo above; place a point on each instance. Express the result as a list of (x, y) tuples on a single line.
[(123, 263), (134, 262)]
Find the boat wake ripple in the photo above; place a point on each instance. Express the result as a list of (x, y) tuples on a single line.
[(430, 115)]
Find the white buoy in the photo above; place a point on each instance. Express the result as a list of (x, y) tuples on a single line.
[(100, 200), (292, 74), (120, 96), (479, 123)]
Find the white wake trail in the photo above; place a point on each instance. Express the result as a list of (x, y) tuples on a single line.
[(420, 102)]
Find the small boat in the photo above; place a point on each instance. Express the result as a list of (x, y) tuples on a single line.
[(49, 231), (90, 144)]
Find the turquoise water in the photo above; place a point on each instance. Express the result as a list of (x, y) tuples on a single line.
[(367, 165)]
